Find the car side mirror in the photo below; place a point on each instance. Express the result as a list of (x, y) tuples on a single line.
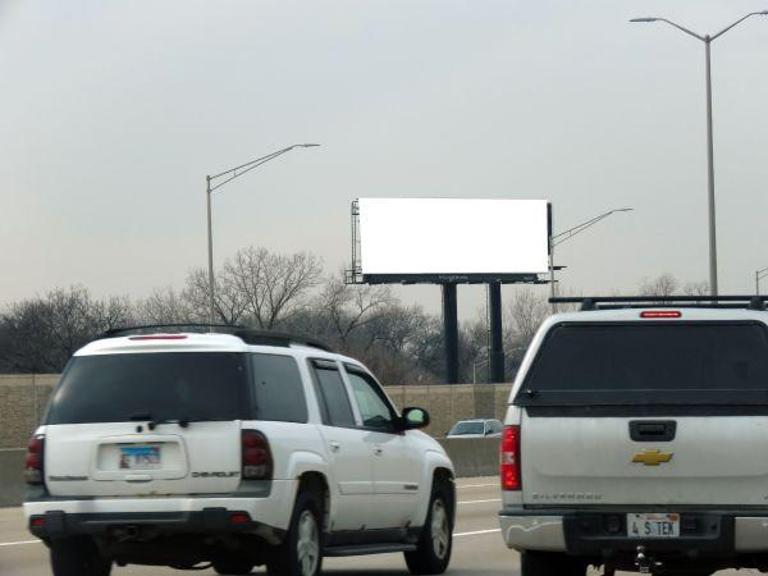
[(414, 418)]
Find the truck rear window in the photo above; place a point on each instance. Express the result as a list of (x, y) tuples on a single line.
[(158, 386), (664, 362)]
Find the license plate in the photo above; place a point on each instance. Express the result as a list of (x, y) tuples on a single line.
[(141, 457), (653, 525)]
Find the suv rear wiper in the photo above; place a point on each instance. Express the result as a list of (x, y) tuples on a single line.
[(152, 423)]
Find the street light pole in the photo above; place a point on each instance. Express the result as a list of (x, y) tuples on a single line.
[(211, 185), (707, 39), (567, 235)]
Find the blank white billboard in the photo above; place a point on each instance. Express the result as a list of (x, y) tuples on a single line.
[(453, 236)]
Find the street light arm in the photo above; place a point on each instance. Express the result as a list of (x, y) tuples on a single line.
[(739, 21), (683, 28), (238, 171), (678, 26), (571, 232)]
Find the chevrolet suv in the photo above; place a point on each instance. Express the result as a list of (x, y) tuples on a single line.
[(232, 448), (636, 438)]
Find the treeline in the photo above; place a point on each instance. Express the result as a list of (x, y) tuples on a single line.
[(260, 289), (402, 343)]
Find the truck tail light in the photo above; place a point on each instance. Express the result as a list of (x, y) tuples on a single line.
[(510, 458), (33, 464), (257, 457)]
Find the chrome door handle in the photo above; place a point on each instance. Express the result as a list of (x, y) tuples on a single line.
[(335, 446)]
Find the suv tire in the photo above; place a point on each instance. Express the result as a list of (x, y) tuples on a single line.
[(233, 565), (78, 557), (301, 553), (434, 547), (550, 564)]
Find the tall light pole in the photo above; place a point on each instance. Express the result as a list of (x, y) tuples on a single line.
[(759, 275), (567, 235), (708, 39), (217, 181)]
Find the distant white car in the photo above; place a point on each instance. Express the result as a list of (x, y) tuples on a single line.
[(235, 449), (477, 428)]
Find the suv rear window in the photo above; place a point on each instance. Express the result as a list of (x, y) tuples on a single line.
[(163, 386), (686, 362)]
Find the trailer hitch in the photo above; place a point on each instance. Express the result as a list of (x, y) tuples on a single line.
[(645, 563)]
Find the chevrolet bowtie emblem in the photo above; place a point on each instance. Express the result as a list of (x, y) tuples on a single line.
[(652, 457)]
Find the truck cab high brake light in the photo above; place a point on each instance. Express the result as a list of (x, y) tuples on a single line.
[(661, 314)]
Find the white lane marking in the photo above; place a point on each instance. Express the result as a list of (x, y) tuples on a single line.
[(20, 543), (495, 484), (477, 532), (479, 501)]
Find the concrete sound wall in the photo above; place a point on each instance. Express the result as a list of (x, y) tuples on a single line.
[(471, 457), (11, 477), (23, 398)]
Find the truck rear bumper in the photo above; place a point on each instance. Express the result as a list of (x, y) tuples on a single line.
[(729, 532)]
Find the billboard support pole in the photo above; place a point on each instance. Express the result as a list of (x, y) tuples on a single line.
[(451, 329), (497, 346)]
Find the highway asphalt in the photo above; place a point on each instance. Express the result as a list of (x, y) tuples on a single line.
[(478, 548)]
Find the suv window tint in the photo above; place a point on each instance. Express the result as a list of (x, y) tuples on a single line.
[(279, 392), (116, 387), (332, 395), (661, 362), (374, 409)]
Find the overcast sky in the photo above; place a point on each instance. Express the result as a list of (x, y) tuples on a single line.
[(112, 112)]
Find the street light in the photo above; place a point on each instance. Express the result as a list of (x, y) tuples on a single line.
[(707, 39), (759, 275), (567, 235), (225, 177)]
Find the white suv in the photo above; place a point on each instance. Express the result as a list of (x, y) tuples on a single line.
[(637, 438), (234, 448)]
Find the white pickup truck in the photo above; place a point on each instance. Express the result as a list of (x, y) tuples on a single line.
[(636, 438)]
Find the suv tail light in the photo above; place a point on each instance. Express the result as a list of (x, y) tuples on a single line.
[(510, 458), (33, 465), (257, 457)]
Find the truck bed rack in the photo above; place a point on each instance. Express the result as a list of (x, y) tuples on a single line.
[(749, 302)]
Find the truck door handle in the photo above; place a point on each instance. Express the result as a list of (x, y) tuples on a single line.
[(378, 450), (335, 446), (652, 430)]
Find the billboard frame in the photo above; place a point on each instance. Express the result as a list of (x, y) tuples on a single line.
[(354, 274)]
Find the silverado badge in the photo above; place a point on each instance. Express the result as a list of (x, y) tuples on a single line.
[(652, 457)]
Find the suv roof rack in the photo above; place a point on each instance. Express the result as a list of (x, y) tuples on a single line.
[(247, 335), (750, 302)]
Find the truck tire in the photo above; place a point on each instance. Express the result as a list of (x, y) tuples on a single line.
[(433, 552), (550, 564), (78, 557), (301, 553)]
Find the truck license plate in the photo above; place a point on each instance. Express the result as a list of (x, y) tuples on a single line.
[(653, 525), (139, 457)]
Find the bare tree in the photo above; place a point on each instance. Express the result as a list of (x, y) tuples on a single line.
[(39, 335), (664, 285), (166, 306), (349, 308), (696, 288), (525, 313), (270, 288)]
